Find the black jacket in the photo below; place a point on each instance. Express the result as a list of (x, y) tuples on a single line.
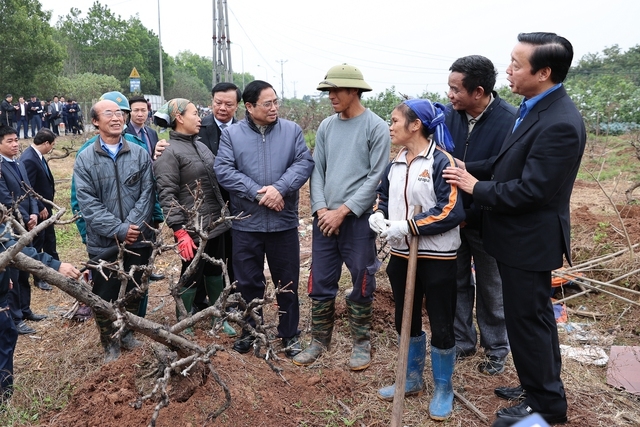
[(526, 219), (210, 133), (479, 148)]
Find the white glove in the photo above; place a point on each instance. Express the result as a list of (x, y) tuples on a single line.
[(376, 222), (396, 231)]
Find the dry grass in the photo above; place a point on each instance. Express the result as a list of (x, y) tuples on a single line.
[(63, 355)]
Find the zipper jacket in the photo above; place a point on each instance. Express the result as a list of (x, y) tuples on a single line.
[(420, 183), (249, 159)]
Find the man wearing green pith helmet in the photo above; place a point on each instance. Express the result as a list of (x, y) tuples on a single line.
[(351, 152)]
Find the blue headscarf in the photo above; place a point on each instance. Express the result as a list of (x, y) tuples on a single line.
[(431, 114)]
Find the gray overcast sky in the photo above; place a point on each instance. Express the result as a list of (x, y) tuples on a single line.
[(409, 44)]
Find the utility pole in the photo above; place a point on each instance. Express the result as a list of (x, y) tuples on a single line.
[(282, 61), (160, 55), (222, 71)]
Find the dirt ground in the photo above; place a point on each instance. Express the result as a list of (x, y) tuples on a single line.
[(327, 393)]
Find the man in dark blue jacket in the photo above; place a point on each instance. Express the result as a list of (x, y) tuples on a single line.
[(137, 124), (8, 332), (526, 220), (41, 179), (262, 162), (479, 120), (13, 176)]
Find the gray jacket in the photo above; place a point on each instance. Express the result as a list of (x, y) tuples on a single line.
[(181, 165), (114, 194), (248, 160)]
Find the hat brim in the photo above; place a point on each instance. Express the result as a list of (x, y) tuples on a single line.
[(344, 83)]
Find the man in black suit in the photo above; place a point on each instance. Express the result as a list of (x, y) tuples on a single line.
[(526, 221), (41, 178), (12, 177), (137, 124), (225, 98)]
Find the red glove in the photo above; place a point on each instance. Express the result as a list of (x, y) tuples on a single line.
[(185, 244)]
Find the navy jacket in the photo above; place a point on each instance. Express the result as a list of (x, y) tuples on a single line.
[(210, 133), (38, 175), (11, 189), (151, 134), (7, 241), (479, 148), (526, 218)]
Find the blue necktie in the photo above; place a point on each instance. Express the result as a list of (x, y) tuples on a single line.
[(143, 137), (46, 166), (523, 112)]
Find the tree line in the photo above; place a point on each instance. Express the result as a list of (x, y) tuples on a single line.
[(86, 54)]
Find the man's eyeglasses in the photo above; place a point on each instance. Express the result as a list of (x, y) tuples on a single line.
[(267, 105), (108, 114)]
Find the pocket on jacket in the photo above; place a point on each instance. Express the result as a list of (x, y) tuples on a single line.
[(133, 179)]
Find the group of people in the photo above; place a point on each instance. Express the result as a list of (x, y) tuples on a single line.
[(57, 115), (483, 187)]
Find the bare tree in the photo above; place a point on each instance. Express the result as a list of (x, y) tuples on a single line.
[(635, 143), (176, 354)]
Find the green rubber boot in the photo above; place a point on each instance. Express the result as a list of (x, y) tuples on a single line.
[(187, 295), (322, 313), (142, 310), (110, 345), (360, 325), (214, 286)]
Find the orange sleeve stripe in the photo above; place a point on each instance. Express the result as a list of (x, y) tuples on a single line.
[(453, 197)]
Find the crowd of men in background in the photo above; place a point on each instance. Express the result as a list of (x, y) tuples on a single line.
[(59, 115)]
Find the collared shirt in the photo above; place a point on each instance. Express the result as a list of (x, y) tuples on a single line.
[(219, 123), (111, 150), (528, 104), (5, 158), (473, 120), (37, 151), (137, 129)]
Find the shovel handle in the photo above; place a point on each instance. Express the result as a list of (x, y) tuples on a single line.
[(405, 330)]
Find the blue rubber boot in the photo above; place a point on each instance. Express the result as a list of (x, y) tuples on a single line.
[(442, 362), (415, 367)]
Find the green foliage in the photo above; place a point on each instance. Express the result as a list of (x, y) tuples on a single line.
[(605, 99), (310, 139), (241, 80), (189, 86), (103, 43), (434, 97), (383, 103), (196, 65), (512, 98), (606, 88), (30, 57), (87, 86), (307, 112)]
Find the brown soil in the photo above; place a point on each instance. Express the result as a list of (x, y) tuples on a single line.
[(327, 394)]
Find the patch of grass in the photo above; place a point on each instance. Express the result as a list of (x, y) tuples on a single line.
[(608, 157)]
